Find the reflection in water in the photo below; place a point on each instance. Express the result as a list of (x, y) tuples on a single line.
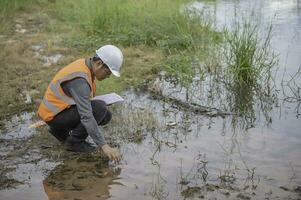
[(17, 127), (198, 173), (158, 189), (82, 177), (291, 91), (241, 101), (217, 95), (188, 153)]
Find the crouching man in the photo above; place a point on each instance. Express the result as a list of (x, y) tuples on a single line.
[(67, 106)]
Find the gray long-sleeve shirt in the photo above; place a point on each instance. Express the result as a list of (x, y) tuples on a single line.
[(80, 91)]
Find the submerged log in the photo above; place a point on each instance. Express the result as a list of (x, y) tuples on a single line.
[(189, 106)]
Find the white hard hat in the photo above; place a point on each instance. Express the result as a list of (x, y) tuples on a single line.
[(112, 57)]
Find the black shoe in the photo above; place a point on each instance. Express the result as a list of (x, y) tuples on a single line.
[(78, 145)]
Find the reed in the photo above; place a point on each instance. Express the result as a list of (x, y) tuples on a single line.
[(247, 55)]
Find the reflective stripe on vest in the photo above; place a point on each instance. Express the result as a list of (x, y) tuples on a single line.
[(50, 106), (55, 88)]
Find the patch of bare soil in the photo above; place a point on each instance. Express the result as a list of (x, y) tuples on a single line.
[(30, 55)]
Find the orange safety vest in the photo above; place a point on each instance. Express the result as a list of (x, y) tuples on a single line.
[(55, 100)]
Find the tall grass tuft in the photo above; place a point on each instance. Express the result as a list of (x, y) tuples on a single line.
[(248, 76), (248, 57)]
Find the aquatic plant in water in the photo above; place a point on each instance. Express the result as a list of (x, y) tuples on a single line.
[(249, 58), (249, 61)]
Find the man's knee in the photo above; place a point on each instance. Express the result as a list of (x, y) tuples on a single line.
[(106, 119), (101, 114)]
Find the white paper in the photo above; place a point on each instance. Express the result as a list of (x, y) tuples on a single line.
[(109, 98)]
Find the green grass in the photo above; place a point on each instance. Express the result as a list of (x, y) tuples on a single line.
[(180, 67), (153, 35), (249, 62), (151, 22), (8, 8), (161, 25), (249, 58)]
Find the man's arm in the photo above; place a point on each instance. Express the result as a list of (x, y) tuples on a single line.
[(80, 91)]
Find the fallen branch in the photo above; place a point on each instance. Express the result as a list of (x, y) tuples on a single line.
[(208, 111)]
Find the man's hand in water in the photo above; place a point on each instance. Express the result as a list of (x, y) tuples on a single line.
[(112, 153)]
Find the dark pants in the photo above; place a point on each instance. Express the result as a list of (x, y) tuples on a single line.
[(68, 121)]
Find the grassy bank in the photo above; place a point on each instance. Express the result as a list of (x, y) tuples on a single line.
[(153, 35), (165, 26), (162, 24)]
